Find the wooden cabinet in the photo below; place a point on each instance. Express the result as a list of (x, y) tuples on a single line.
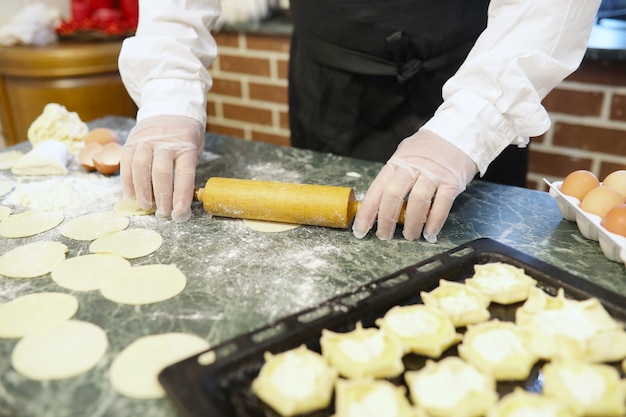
[(83, 77)]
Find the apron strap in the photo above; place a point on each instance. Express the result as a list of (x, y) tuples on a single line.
[(398, 43)]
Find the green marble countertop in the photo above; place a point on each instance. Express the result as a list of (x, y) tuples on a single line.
[(240, 280)]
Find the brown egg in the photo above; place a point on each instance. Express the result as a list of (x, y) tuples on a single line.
[(617, 180), (107, 159), (579, 183), (84, 156), (101, 135), (600, 200), (615, 220)]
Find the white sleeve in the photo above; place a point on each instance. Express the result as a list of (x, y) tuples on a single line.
[(527, 49), (164, 66)]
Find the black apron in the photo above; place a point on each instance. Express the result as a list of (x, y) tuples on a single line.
[(364, 75)]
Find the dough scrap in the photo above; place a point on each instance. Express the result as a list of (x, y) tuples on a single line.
[(134, 371), (35, 312), (46, 158), (87, 272), (128, 243), (129, 207), (92, 226), (5, 187), (8, 158), (144, 284), (66, 350), (5, 212), (269, 227), (32, 260), (30, 223)]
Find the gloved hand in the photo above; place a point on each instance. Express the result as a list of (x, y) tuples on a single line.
[(159, 159), (431, 172)]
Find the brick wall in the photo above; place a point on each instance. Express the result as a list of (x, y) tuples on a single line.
[(588, 110)]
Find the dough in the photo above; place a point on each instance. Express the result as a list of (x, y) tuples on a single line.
[(35, 312), (451, 387), (5, 187), (93, 225), (129, 207), (589, 389), (8, 158), (66, 350), (5, 212), (135, 369), (501, 283), (144, 284), (369, 352), (498, 349), (524, 403), (269, 227), (462, 304), (296, 381), (32, 260), (371, 398), (129, 243), (30, 223), (87, 272), (420, 329), (46, 158), (56, 122)]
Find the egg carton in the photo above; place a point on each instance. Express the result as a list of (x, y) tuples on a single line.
[(613, 245)]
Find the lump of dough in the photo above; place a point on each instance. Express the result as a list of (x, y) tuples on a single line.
[(371, 398), (46, 158), (498, 349), (30, 223), (501, 282), (35, 312), (134, 371), (87, 272), (32, 260), (524, 403), (591, 389), (66, 350), (92, 226), (269, 227), (128, 243), (369, 352), (420, 329), (462, 304), (451, 387), (143, 284), (295, 382), (57, 123), (8, 158)]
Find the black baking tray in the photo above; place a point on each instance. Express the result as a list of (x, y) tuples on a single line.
[(223, 388)]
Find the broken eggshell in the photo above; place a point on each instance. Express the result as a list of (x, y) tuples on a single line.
[(107, 159)]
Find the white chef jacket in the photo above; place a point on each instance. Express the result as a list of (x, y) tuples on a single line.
[(494, 99)]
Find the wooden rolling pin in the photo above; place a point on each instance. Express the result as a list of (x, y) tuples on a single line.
[(317, 205)]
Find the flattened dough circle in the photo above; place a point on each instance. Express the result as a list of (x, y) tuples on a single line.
[(30, 223), (144, 284), (269, 227), (129, 207), (92, 226), (135, 369), (129, 243), (87, 272), (35, 312), (32, 260), (66, 350), (5, 212)]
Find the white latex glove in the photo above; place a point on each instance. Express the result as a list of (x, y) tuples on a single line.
[(431, 172), (159, 160)]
